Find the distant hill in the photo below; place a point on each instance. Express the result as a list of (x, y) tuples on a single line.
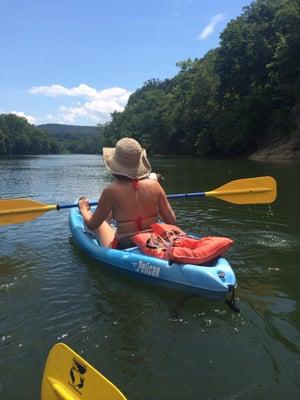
[(74, 130), (75, 138)]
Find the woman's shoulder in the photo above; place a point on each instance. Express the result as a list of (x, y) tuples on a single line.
[(149, 182), (152, 186), (110, 189), (120, 185), (117, 186)]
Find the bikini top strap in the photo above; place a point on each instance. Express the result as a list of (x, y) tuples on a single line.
[(135, 184), (138, 223)]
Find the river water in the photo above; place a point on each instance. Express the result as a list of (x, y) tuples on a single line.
[(50, 292)]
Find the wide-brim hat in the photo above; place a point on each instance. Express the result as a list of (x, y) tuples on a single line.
[(128, 159)]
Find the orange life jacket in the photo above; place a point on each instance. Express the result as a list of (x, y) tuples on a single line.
[(171, 243)]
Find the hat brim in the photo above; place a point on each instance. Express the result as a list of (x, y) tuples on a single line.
[(114, 166)]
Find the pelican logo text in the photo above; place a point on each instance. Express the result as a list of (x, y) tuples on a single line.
[(148, 269), (77, 372)]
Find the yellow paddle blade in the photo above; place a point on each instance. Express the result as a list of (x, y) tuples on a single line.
[(15, 211), (67, 376), (260, 190)]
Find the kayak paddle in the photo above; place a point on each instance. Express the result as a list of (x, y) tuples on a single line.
[(260, 190), (67, 376)]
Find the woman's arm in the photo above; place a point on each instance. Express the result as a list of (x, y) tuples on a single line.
[(165, 209), (104, 207)]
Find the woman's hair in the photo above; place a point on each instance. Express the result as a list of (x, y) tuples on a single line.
[(153, 175), (121, 177)]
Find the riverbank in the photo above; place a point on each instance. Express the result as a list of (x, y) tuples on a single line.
[(282, 149)]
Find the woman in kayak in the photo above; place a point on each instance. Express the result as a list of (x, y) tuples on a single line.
[(133, 200)]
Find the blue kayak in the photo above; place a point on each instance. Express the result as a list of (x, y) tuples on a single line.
[(213, 280)]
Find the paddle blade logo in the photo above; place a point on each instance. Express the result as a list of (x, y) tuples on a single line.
[(77, 372)]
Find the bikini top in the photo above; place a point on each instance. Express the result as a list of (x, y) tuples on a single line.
[(138, 221)]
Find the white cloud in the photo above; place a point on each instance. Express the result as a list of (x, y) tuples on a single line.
[(59, 90), (209, 29), (97, 105), (29, 118)]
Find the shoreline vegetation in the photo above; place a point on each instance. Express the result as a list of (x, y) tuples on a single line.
[(241, 99)]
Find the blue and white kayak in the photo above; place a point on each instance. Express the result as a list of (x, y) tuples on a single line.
[(213, 280)]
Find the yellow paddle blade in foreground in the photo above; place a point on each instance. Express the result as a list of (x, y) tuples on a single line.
[(260, 190), (15, 211), (67, 376)]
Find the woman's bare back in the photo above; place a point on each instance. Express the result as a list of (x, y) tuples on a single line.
[(137, 204), (134, 209)]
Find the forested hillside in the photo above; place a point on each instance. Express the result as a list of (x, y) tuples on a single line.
[(237, 98), (64, 130), (17, 136), (75, 139)]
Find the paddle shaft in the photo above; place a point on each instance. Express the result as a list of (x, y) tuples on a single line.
[(92, 203), (170, 196), (187, 195)]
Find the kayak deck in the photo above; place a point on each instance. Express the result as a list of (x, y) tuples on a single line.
[(213, 280)]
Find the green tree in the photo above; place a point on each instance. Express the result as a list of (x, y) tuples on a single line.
[(17, 136)]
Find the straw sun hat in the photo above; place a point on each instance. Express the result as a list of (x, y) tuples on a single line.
[(128, 159)]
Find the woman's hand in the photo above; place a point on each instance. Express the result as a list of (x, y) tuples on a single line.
[(83, 204)]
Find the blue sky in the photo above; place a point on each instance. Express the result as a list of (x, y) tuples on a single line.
[(76, 61)]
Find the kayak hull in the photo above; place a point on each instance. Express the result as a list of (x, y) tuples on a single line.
[(213, 280)]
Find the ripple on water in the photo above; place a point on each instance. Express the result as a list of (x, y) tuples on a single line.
[(275, 240)]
